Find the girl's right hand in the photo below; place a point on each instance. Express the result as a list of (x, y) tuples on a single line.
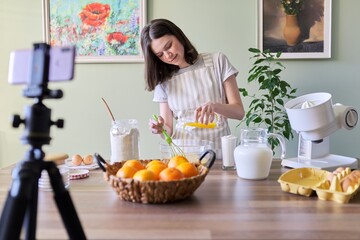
[(156, 127)]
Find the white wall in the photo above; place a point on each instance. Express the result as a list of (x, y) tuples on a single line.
[(212, 25)]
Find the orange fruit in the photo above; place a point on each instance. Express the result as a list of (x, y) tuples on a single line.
[(155, 162), (126, 172), (156, 168), (134, 163), (188, 169), (144, 175), (169, 174), (176, 161)]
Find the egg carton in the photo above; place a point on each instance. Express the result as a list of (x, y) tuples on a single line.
[(302, 181), (306, 181)]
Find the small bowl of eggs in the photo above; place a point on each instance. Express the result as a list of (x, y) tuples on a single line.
[(78, 161)]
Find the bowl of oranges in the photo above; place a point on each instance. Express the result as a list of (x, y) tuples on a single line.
[(156, 180)]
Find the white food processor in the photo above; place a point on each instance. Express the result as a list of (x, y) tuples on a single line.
[(315, 118)]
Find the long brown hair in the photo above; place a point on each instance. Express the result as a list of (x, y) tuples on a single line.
[(156, 71)]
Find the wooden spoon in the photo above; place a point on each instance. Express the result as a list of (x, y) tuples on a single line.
[(108, 109)]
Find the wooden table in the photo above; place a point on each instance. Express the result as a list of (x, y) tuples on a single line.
[(223, 207)]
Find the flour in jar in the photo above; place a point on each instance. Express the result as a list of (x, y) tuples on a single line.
[(124, 137)]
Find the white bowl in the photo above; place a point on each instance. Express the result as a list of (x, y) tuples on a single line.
[(44, 180), (192, 148)]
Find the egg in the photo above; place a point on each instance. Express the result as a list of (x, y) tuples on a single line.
[(356, 173), (76, 159), (345, 184), (88, 160), (339, 169), (330, 177)]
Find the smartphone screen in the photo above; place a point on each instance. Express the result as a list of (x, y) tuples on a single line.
[(19, 67), (61, 63), (61, 66)]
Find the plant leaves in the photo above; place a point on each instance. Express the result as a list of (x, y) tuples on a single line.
[(254, 50), (267, 104), (280, 101)]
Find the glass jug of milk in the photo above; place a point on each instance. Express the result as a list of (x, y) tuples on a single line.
[(253, 156)]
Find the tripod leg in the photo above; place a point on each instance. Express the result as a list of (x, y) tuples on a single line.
[(12, 217), (31, 213), (65, 204), (18, 201)]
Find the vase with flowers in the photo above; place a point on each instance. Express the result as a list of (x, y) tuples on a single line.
[(291, 29)]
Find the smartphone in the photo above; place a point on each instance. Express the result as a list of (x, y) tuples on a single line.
[(61, 66)]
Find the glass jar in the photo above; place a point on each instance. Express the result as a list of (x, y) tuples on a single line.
[(124, 139)]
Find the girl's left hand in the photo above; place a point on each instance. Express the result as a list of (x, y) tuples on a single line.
[(205, 113)]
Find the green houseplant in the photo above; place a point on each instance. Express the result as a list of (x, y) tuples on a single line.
[(266, 108)]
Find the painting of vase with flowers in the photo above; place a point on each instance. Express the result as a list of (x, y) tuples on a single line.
[(102, 31), (297, 28)]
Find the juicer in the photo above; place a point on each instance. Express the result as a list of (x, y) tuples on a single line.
[(315, 118)]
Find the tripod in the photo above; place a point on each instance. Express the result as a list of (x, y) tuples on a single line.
[(21, 204)]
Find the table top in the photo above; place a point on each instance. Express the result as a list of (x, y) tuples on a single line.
[(223, 207)]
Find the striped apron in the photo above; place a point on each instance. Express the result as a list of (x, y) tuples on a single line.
[(190, 89)]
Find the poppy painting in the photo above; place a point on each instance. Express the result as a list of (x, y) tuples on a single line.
[(102, 30), (297, 28)]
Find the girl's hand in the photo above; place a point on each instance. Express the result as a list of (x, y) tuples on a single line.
[(156, 127), (205, 113)]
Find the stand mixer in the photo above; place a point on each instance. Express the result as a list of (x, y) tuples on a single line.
[(315, 118)]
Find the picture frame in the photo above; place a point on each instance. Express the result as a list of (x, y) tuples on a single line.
[(314, 27), (105, 31)]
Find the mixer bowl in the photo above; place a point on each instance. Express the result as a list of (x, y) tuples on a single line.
[(192, 148)]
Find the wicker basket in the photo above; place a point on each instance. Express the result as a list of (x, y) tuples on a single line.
[(153, 191)]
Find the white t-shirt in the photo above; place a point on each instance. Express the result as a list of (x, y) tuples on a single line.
[(192, 87)]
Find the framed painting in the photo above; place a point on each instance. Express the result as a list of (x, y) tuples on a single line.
[(102, 31), (297, 28)]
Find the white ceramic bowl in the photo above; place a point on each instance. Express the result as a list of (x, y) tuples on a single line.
[(44, 180), (192, 148)]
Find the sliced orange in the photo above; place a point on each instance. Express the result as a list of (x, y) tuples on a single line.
[(176, 161), (144, 175), (188, 169), (169, 174)]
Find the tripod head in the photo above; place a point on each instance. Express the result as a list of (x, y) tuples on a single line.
[(37, 119)]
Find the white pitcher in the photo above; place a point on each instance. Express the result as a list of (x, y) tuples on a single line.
[(253, 156)]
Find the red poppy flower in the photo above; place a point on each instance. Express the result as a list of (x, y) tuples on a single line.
[(117, 38), (95, 14)]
